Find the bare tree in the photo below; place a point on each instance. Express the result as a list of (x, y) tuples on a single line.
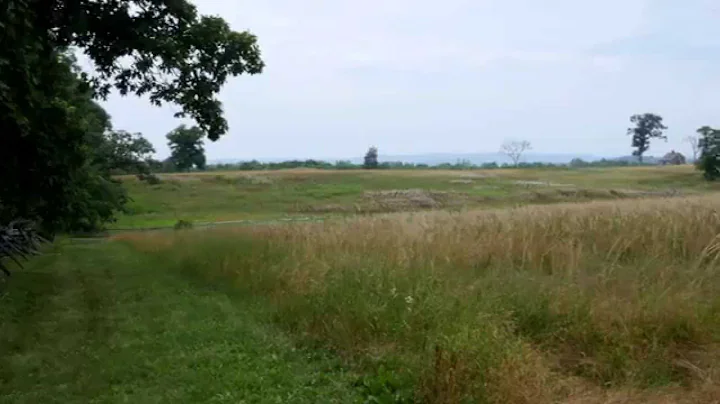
[(694, 144), (514, 149)]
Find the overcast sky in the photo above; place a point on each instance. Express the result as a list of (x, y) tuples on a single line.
[(421, 76)]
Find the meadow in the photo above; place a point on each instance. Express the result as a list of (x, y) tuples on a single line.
[(285, 194), (609, 294)]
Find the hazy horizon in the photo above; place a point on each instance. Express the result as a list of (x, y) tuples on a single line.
[(418, 77), (440, 158)]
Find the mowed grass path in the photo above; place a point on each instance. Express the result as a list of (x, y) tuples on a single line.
[(270, 195), (98, 323)]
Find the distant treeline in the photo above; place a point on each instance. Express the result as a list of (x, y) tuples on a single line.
[(255, 165)]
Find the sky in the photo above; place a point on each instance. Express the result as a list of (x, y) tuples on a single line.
[(457, 76)]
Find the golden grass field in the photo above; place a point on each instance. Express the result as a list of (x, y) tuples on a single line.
[(598, 302)]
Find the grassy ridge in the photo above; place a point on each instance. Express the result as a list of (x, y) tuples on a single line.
[(577, 302), (223, 196)]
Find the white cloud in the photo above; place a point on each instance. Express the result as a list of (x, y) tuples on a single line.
[(612, 64), (419, 76), (403, 33)]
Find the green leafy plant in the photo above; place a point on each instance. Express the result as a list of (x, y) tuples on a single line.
[(387, 387)]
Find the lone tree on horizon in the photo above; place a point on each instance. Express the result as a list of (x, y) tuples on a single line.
[(647, 127), (515, 149), (371, 158), (709, 159), (186, 146), (694, 142)]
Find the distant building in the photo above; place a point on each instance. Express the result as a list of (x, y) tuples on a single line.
[(673, 158)]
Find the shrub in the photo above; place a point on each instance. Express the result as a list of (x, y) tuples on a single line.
[(183, 224), (18, 241), (151, 179)]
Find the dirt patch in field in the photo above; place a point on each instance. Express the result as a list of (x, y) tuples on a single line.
[(400, 200), (630, 193), (411, 199), (326, 208), (582, 194), (541, 184), (408, 200), (243, 179)]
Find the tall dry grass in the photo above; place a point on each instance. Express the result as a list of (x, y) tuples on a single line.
[(528, 305)]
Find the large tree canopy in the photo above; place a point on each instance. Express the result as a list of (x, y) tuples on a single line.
[(371, 158), (186, 145), (121, 152), (709, 145), (159, 48), (647, 127)]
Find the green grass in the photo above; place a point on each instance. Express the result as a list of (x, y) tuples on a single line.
[(101, 323), (613, 301), (596, 302), (271, 195), (541, 304)]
